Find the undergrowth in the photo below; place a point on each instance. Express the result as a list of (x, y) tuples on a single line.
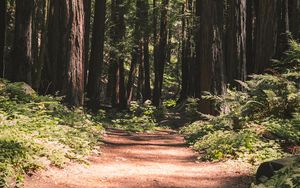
[(36, 131), (256, 123), (139, 117), (288, 177)]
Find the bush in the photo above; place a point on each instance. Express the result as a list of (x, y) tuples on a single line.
[(38, 130), (141, 117), (257, 120), (288, 177)]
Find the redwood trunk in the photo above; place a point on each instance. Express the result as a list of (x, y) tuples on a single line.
[(236, 41), (2, 35), (22, 49), (162, 54), (96, 60), (266, 34)]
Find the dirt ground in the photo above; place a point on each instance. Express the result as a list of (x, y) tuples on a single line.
[(137, 160)]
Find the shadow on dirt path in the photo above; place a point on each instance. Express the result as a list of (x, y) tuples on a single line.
[(137, 160)]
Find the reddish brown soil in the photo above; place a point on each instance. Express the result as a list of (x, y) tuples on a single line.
[(130, 160)]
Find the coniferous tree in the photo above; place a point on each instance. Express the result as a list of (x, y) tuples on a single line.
[(2, 35), (96, 60), (66, 49), (294, 21), (235, 41), (22, 47), (265, 35), (210, 50), (161, 54)]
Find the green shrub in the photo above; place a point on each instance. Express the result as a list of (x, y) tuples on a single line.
[(244, 145), (38, 130), (141, 117), (288, 177)]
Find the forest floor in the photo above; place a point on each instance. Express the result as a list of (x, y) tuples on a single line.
[(136, 160)]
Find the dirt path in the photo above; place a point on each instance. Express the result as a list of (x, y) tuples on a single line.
[(157, 160)]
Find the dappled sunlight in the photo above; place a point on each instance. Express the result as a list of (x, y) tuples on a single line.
[(146, 160)]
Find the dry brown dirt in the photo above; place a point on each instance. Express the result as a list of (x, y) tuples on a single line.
[(137, 160)]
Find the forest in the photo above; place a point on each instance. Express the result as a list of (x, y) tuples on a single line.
[(150, 93)]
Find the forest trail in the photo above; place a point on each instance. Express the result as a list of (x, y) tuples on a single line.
[(136, 160)]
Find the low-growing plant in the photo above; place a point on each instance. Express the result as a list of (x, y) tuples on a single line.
[(288, 177), (39, 130), (141, 117)]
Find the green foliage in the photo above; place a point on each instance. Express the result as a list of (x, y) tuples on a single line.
[(236, 145), (255, 122), (191, 109), (38, 130), (170, 103), (141, 117), (288, 177)]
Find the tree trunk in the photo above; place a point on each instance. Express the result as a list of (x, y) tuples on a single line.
[(2, 35), (210, 50), (136, 52), (146, 62), (55, 69), (250, 28), (41, 53), (96, 60), (294, 21), (235, 45), (184, 65), (283, 28), (162, 54), (22, 48), (66, 49), (265, 36), (87, 20), (75, 52), (117, 77)]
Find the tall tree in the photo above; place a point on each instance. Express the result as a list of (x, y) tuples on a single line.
[(96, 60), (250, 31), (66, 49), (294, 15), (283, 28), (116, 85), (136, 52), (147, 83), (40, 38), (87, 20), (140, 54), (75, 52), (187, 59), (161, 54), (210, 50), (235, 45), (2, 35), (266, 34), (22, 49)]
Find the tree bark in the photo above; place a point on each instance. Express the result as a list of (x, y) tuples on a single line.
[(162, 54), (235, 45), (66, 49), (87, 20), (42, 36), (22, 49), (136, 51), (96, 60), (283, 29), (266, 34), (210, 51), (2, 35), (294, 21), (117, 78)]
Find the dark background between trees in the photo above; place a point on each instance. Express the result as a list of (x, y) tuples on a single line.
[(97, 52)]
